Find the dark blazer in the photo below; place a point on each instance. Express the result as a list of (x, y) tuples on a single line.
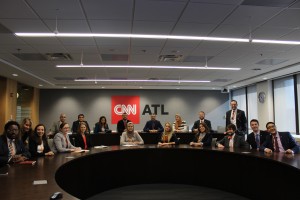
[(97, 128), (157, 126), (197, 123), (287, 141), (4, 152), (76, 125), (241, 121), (79, 141), (120, 126), (238, 142), (173, 139), (33, 147), (262, 137), (206, 140)]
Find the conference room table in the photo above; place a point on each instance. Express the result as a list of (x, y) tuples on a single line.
[(149, 138), (82, 175)]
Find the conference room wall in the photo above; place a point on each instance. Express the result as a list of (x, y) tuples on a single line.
[(94, 103)]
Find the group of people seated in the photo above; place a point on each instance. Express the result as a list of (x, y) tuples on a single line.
[(20, 142)]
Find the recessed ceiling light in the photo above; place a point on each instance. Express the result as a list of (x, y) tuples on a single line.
[(15, 75), (64, 87), (40, 85), (265, 78), (146, 66)]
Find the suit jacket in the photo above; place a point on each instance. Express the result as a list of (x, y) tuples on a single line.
[(80, 143), (55, 127), (153, 125), (4, 152), (33, 147), (287, 141), (241, 121), (120, 126), (97, 128), (238, 142), (60, 144), (262, 137), (206, 140), (76, 125), (197, 123)]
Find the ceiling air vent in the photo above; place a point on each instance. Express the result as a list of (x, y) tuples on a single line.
[(170, 58), (58, 56)]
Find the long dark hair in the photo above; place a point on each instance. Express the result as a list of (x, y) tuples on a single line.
[(36, 137)]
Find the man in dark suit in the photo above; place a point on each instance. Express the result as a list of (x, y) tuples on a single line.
[(237, 117), (232, 140), (153, 125), (76, 123), (203, 120), (12, 149), (122, 124), (279, 141), (257, 137)]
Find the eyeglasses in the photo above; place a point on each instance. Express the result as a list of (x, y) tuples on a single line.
[(271, 126)]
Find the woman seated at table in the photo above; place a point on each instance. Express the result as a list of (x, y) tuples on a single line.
[(82, 137), (168, 137), (131, 137), (38, 143), (179, 126), (102, 126), (203, 138), (62, 141)]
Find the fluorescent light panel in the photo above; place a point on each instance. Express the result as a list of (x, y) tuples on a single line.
[(147, 36), (139, 80), (145, 66)]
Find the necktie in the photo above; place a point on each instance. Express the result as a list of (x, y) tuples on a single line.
[(11, 149), (276, 144), (257, 140), (233, 115), (153, 125), (125, 124)]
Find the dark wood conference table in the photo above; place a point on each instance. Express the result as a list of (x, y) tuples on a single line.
[(83, 175), (149, 138)]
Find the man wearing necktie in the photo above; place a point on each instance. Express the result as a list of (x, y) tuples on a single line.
[(279, 141), (153, 125), (257, 136), (122, 124), (12, 149), (201, 120), (237, 117), (232, 140)]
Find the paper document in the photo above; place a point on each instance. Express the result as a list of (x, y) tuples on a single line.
[(39, 182), (100, 147)]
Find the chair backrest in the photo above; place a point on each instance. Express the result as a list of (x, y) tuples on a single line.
[(213, 142), (51, 144)]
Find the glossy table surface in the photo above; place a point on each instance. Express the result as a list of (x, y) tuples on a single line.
[(18, 183)]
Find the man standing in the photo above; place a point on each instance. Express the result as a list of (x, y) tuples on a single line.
[(201, 120), (279, 141), (153, 125), (75, 126), (257, 137), (237, 117), (122, 124), (55, 126)]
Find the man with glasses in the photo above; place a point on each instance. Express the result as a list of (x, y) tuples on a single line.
[(12, 149), (279, 141)]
